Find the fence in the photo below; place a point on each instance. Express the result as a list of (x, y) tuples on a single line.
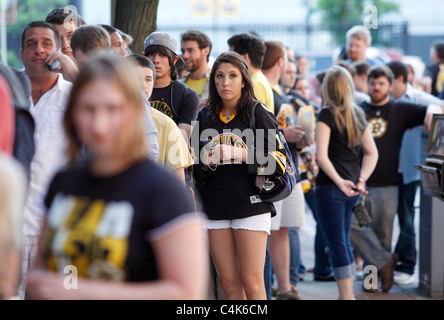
[(299, 36)]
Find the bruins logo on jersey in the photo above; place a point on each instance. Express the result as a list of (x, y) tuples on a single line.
[(378, 127), (231, 140), (162, 107)]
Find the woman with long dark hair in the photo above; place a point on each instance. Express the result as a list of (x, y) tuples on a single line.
[(230, 160)]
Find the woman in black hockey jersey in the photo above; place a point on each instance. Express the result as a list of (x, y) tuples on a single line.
[(239, 222)]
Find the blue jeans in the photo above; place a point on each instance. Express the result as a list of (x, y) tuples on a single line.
[(295, 258), (295, 255), (268, 274), (334, 215), (406, 245), (322, 267)]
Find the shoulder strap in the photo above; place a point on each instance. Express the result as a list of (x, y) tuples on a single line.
[(253, 116)]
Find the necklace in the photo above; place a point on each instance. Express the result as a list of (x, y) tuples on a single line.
[(166, 92)]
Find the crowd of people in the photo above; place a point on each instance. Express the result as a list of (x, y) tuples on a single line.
[(143, 172)]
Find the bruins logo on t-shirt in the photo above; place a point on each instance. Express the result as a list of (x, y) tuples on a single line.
[(378, 127), (90, 234), (162, 107), (231, 140)]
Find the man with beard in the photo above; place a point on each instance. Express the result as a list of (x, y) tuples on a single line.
[(388, 120), (196, 48)]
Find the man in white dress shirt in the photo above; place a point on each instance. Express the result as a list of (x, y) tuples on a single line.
[(49, 95)]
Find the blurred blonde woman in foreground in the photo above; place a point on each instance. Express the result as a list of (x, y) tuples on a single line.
[(111, 219)]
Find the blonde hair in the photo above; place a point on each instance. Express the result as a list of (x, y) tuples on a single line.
[(122, 71), (338, 93)]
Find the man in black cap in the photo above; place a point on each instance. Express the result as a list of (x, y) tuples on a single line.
[(169, 96)]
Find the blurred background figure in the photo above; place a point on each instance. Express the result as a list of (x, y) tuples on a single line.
[(196, 49), (66, 28), (127, 41), (117, 43), (358, 40), (12, 197), (358, 70), (433, 77)]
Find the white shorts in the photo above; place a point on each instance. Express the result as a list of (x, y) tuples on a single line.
[(260, 222), (290, 211)]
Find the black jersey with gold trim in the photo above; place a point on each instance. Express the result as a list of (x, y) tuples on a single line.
[(229, 192)]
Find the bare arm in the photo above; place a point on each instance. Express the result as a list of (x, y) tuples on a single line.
[(180, 174), (369, 161), (427, 84), (67, 68), (9, 279)]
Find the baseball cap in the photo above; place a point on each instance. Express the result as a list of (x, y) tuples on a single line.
[(165, 40)]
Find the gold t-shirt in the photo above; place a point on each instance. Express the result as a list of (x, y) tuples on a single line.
[(196, 85), (262, 90)]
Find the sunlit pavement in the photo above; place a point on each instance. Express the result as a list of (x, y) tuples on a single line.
[(316, 290)]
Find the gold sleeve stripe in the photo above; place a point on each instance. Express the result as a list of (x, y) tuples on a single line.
[(280, 159)]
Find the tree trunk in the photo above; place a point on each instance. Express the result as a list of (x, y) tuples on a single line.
[(137, 18)]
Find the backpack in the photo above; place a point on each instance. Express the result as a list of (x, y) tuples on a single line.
[(275, 188)]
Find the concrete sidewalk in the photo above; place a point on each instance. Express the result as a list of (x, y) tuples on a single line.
[(316, 290)]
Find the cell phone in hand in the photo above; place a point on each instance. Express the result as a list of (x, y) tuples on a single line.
[(53, 67)]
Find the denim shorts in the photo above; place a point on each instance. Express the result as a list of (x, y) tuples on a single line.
[(260, 222)]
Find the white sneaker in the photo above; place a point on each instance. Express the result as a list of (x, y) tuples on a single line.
[(402, 278)]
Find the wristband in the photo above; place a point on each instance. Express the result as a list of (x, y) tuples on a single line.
[(362, 179)]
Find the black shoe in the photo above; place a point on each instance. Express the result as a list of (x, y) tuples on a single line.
[(324, 278)]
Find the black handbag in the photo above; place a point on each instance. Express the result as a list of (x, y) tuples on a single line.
[(276, 188), (361, 213)]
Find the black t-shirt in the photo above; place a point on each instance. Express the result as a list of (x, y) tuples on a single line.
[(433, 72), (345, 160), (387, 124), (279, 101), (105, 226), (177, 101)]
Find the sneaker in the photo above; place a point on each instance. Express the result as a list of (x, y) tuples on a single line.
[(403, 279)]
